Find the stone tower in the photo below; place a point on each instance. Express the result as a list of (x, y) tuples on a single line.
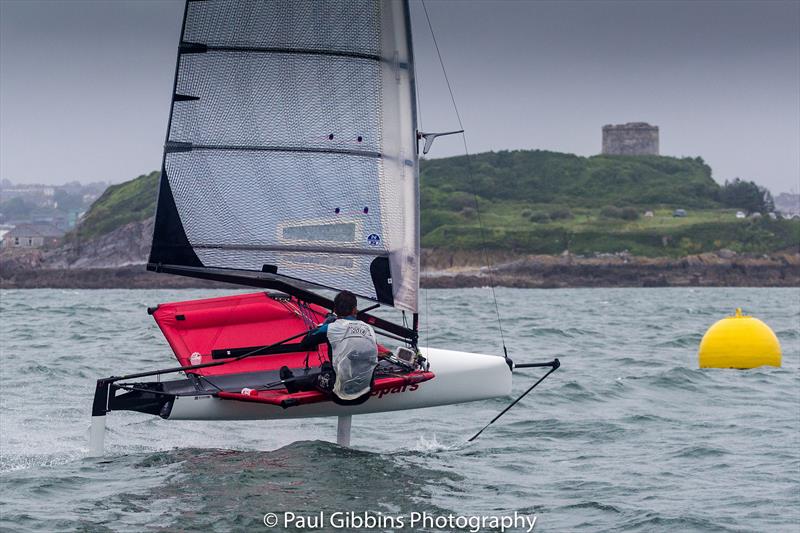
[(633, 138)]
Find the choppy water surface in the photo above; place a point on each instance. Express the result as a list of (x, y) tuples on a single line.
[(628, 436)]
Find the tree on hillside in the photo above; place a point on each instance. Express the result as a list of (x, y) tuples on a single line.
[(68, 202), (746, 195), (16, 208)]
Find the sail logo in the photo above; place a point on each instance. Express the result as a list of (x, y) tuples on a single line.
[(374, 239)]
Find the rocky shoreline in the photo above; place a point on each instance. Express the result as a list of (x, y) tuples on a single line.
[(116, 260), (704, 270), (448, 269)]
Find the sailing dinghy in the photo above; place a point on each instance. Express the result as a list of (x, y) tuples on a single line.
[(290, 165)]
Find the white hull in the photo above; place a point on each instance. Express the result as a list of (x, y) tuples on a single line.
[(460, 377)]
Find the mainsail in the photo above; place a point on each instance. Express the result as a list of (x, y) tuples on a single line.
[(291, 149)]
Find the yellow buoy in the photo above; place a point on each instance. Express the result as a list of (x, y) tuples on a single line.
[(739, 341)]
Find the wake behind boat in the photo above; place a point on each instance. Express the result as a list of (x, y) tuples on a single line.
[(291, 165)]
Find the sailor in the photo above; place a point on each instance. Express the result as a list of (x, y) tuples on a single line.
[(353, 352)]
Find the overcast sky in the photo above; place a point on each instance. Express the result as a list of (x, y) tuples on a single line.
[(85, 85)]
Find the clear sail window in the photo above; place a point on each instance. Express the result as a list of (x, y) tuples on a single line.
[(321, 232), (330, 260)]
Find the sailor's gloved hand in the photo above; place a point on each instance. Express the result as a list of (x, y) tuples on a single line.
[(330, 317)]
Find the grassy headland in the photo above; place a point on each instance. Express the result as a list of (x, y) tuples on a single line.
[(539, 202), (507, 228), (131, 201), (554, 178)]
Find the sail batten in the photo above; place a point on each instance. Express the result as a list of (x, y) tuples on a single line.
[(199, 48), (173, 146), (292, 146), (288, 248)]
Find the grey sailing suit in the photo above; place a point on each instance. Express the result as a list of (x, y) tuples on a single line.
[(354, 355)]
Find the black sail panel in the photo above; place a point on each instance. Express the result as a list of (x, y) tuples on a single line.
[(292, 146), (170, 245)]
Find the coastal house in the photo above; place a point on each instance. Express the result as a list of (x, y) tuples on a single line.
[(5, 228), (32, 236)]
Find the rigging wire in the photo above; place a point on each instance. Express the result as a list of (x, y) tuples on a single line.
[(554, 365), (471, 178), (426, 319), (308, 318), (419, 101)]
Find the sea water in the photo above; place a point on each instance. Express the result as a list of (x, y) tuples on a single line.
[(629, 435)]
